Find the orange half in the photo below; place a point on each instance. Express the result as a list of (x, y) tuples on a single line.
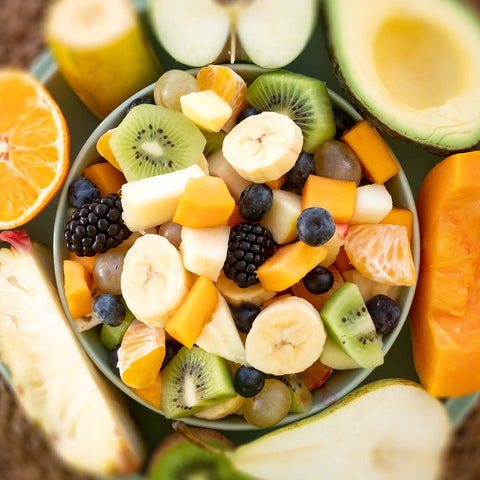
[(34, 148)]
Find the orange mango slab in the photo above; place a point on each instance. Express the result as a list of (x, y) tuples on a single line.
[(77, 282), (205, 202), (188, 321), (336, 196), (152, 394), (377, 160), (445, 314), (400, 216), (106, 177), (289, 264)]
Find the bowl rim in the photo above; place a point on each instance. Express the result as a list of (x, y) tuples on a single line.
[(333, 390)]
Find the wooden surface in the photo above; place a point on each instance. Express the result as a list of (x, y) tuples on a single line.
[(24, 454)]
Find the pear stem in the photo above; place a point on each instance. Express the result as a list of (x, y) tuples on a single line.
[(184, 429)]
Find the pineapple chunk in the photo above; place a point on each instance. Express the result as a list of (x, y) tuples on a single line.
[(207, 109)]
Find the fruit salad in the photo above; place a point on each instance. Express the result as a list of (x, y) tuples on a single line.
[(236, 244)]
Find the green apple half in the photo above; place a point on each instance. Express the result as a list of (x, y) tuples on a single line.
[(270, 33)]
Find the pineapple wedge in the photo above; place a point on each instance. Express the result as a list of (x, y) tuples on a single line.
[(57, 385)]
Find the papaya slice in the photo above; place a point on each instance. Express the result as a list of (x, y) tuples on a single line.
[(445, 314)]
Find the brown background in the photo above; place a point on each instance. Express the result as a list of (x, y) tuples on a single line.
[(24, 454)]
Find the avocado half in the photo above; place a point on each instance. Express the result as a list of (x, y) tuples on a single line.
[(412, 67)]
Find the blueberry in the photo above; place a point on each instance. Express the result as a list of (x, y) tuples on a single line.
[(82, 191), (298, 174), (385, 313), (248, 381), (108, 309), (343, 122), (140, 101), (315, 226), (318, 280), (255, 201), (248, 112), (113, 359), (244, 316)]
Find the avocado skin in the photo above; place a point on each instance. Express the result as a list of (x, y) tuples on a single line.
[(365, 111)]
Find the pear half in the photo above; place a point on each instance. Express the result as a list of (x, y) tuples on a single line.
[(387, 430), (270, 33)]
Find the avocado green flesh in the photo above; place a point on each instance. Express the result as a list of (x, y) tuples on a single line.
[(412, 71)]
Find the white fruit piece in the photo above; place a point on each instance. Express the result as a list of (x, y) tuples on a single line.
[(281, 220), (207, 109), (204, 250), (286, 337), (58, 387), (152, 201), (222, 410), (333, 245), (236, 296), (154, 281), (263, 147), (369, 288), (387, 430), (219, 167), (334, 357), (220, 335), (372, 203)]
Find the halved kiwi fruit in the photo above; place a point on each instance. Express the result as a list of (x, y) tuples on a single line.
[(302, 398), (193, 381), (152, 140), (304, 99), (351, 327)]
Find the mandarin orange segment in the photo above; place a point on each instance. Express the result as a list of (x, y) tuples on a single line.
[(228, 84), (34, 148), (141, 354), (382, 253)]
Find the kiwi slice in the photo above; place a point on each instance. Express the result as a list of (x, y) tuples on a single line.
[(187, 461), (302, 398), (152, 140), (350, 326), (193, 381), (304, 99), (214, 142)]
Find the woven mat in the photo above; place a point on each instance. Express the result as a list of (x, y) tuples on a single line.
[(24, 453)]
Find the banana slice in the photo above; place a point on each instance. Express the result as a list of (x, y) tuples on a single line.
[(286, 337), (263, 147), (154, 281)]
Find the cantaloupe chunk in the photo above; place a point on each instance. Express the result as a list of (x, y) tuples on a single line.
[(153, 394), (289, 264), (445, 314), (377, 160), (336, 196), (87, 262), (77, 281), (195, 311), (205, 202), (400, 216), (105, 176), (276, 184), (235, 217)]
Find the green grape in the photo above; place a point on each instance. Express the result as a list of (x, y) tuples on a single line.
[(172, 232), (107, 271), (171, 86), (268, 407)]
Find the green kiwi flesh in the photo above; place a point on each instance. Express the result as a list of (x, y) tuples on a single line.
[(193, 381), (214, 142), (304, 99), (302, 398), (152, 140), (187, 461), (351, 327)]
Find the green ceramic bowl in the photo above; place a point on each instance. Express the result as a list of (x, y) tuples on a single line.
[(338, 385)]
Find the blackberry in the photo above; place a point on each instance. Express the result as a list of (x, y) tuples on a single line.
[(96, 227), (249, 246)]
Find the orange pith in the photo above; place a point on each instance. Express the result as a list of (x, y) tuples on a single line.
[(34, 148), (382, 253), (228, 84)]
